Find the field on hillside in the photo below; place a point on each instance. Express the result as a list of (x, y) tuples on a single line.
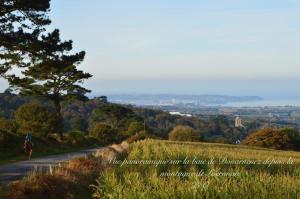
[(163, 169)]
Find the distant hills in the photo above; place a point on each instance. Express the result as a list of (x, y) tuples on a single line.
[(175, 99)]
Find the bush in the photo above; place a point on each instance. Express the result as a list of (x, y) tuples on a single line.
[(10, 143), (184, 133), (135, 127), (4, 191), (69, 181), (74, 137), (104, 133), (36, 119), (138, 136), (8, 125), (55, 137), (286, 139), (78, 123)]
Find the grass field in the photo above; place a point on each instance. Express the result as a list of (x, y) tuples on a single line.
[(163, 169)]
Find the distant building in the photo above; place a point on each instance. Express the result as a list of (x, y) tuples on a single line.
[(181, 114), (238, 122)]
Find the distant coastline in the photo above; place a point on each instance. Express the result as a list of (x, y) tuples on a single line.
[(180, 99), (199, 100), (265, 103)]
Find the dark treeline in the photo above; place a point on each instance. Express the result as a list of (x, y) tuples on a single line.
[(85, 116)]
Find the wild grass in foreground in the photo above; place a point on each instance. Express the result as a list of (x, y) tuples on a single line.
[(267, 178)]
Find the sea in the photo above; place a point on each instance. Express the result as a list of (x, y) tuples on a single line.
[(264, 103)]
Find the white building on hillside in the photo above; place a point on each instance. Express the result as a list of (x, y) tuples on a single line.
[(238, 122), (181, 114)]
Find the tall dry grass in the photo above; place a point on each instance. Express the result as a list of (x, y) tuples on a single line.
[(254, 181)]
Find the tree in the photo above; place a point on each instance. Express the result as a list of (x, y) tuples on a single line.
[(164, 120), (8, 125), (36, 119), (53, 73), (104, 133), (135, 127), (184, 133), (116, 116), (78, 123), (21, 21), (285, 139)]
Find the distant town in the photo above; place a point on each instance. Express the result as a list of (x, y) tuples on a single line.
[(181, 100), (211, 105)]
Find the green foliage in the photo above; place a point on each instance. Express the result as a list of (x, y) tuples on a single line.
[(164, 120), (104, 133), (74, 137), (116, 116), (81, 115), (53, 73), (135, 127), (286, 139), (10, 143), (184, 133), (49, 66), (36, 119), (20, 23), (79, 123), (9, 103), (4, 191), (8, 125), (209, 127)]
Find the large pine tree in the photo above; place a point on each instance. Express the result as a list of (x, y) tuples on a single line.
[(21, 21), (49, 69), (53, 73)]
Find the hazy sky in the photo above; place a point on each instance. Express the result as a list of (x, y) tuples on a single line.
[(233, 47)]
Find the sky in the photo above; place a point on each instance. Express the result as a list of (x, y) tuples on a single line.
[(230, 47)]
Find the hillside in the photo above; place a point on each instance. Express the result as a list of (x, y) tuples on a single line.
[(164, 169), (82, 115)]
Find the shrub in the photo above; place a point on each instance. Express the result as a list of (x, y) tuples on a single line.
[(286, 139), (4, 191), (8, 125), (184, 133), (135, 127), (10, 143), (72, 180), (74, 137), (104, 133), (138, 136), (78, 123), (54, 137), (36, 119)]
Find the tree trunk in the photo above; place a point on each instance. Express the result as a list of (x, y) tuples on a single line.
[(60, 119)]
